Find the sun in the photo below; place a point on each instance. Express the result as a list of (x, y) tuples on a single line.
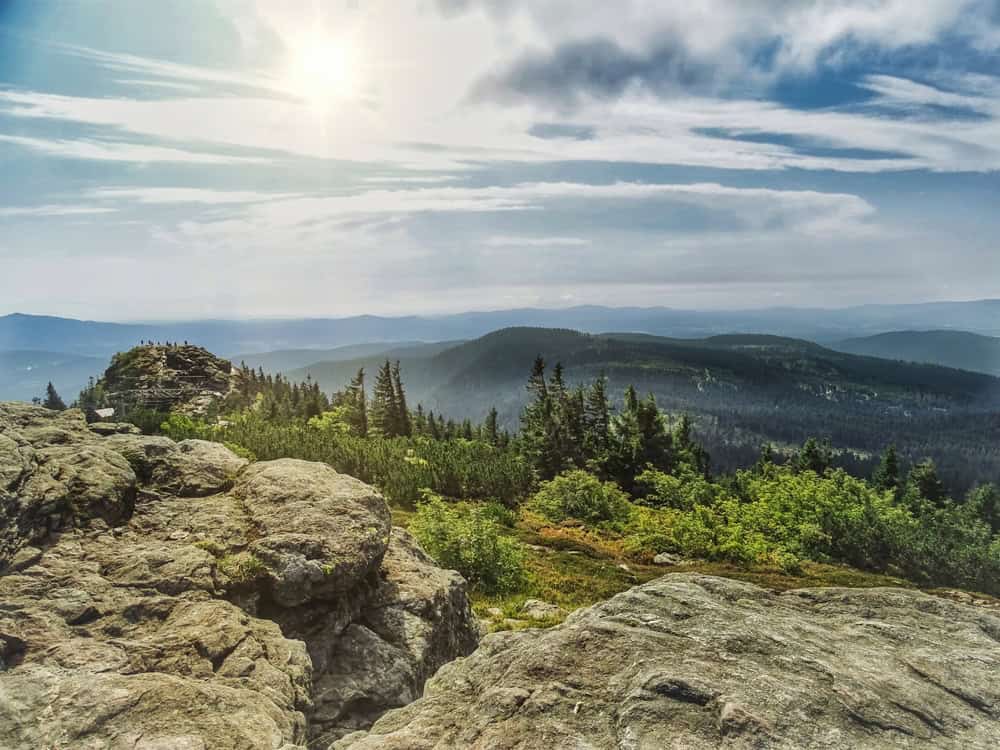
[(323, 69)]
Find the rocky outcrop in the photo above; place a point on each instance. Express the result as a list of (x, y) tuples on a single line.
[(697, 662), (159, 595), (172, 377)]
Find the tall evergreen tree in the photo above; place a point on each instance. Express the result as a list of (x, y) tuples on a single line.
[(52, 399), (597, 414), (490, 432), (403, 425), (384, 417), (886, 476), (923, 482)]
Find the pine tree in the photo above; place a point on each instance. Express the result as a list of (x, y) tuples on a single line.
[(385, 407), (923, 482), (886, 476), (490, 433), (419, 421), (403, 425), (52, 399), (539, 428), (814, 456), (639, 439), (597, 414), (687, 452)]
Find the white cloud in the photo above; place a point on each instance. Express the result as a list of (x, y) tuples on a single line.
[(517, 241), (122, 151), (53, 210), (165, 195)]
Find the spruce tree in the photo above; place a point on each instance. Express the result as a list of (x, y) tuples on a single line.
[(814, 456), (597, 414), (490, 433), (886, 476), (52, 399), (403, 425), (923, 482), (385, 408)]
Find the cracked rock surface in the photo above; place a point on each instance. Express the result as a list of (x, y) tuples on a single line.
[(169, 596), (697, 662)]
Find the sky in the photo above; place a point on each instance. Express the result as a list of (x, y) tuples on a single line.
[(292, 158)]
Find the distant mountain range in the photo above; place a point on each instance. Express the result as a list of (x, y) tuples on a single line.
[(965, 351), (24, 374), (88, 338), (292, 359)]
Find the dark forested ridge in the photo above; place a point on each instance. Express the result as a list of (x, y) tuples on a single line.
[(744, 390), (960, 349)]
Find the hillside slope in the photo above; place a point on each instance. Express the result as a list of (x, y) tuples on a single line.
[(960, 349), (745, 389)]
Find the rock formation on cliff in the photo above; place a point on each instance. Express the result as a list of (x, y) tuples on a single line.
[(698, 662), (169, 596), (179, 377)]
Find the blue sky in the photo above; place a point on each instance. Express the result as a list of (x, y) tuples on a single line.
[(233, 158)]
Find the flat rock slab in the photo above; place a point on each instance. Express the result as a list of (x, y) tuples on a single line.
[(698, 662)]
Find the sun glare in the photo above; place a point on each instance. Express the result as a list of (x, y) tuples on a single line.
[(324, 69)]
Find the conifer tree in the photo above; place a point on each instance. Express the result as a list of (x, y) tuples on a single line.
[(597, 414), (403, 425), (385, 408), (814, 456), (52, 399), (923, 483), (490, 432), (886, 476)]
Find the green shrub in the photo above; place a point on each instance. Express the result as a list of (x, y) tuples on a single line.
[(464, 537), (580, 495), (183, 427), (240, 451)]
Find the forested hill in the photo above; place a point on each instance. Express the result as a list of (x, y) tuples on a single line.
[(744, 390), (967, 351)]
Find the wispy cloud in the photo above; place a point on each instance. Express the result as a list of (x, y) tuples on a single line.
[(122, 151), (516, 241), (53, 210)]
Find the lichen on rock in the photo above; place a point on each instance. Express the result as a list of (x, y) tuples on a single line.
[(697, 662), (170, 595)]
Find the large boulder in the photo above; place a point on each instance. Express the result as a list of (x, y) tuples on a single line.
[(697, 662), (164, 595)]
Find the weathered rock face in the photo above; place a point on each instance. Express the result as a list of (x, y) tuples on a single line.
[(177, 377), (159, 595), (697, 662)]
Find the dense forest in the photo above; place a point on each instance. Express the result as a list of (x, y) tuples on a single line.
[(620, 473), (740, 391)]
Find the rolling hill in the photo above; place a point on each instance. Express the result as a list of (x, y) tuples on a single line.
[(292, 359), (960, 349), (744, 390)]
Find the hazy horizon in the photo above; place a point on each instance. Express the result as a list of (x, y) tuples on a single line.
[(251, 158), (500, 310)]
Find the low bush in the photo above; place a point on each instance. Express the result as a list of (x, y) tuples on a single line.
[(580, 495), (467, 537)]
